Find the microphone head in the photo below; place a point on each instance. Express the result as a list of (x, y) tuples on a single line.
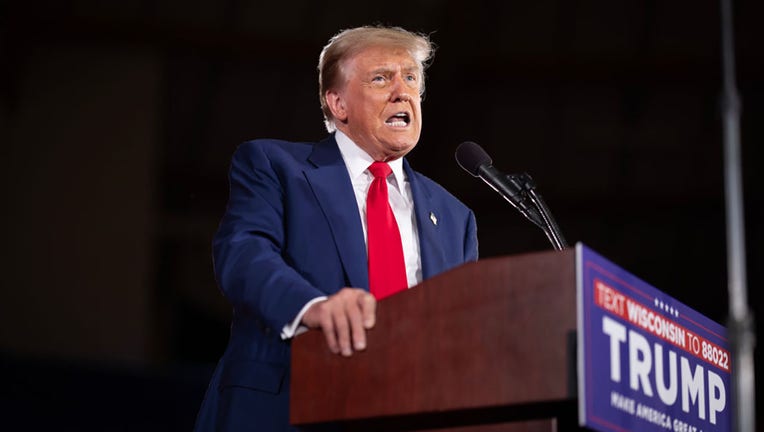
[(471, 157)]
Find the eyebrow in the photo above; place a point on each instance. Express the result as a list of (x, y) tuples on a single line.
[(387, 70)]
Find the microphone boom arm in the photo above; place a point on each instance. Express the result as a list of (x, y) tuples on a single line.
[(527, 186)]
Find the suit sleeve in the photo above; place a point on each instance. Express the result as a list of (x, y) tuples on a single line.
[(248, 262)]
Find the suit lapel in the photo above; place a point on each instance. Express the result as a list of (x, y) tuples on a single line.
[(430, 239), (333, 190)]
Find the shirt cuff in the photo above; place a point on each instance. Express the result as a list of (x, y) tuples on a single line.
[(294, 328)]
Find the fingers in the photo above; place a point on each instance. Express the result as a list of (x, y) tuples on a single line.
[(368, 305), (357, 328), (342, 329), (327, 326), (344, 318)]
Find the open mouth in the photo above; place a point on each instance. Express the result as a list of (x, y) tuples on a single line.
[(401, 119)]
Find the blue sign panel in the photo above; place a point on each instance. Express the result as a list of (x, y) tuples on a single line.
[(646, 362)]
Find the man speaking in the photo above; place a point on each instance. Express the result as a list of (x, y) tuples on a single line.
[(315, 233)]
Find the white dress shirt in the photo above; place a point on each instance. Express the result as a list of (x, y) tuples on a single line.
[(357, 162)]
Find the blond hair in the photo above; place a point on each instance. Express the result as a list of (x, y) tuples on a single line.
[(347, 43)]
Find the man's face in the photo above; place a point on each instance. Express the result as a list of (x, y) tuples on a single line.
[(379, 106)]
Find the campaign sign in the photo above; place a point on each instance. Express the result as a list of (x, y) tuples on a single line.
[(646, 362)]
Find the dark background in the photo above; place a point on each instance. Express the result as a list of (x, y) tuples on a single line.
[(118, 120)]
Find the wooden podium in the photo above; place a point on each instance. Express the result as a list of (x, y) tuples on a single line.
[(486, 346)]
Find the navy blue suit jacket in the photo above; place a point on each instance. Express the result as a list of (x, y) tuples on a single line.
[(292, 232)]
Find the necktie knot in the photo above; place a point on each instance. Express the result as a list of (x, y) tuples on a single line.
[(380, 169)]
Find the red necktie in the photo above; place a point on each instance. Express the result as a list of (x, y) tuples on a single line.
[(387, 270)]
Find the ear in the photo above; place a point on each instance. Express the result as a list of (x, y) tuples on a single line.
[(336, 104)]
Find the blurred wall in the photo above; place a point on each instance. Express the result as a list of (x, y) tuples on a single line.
[(80, 232)]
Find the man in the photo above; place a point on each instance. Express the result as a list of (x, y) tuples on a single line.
[(291, 250)]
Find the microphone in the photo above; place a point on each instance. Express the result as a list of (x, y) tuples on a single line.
[(473, 159), (514, 188)]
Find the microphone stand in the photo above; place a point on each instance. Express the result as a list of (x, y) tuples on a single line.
[(527, 186), (740, 317)]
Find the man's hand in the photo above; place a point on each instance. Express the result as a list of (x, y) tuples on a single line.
[(344, 316)]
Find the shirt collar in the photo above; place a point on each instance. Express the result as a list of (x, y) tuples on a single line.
[(357, 160)]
